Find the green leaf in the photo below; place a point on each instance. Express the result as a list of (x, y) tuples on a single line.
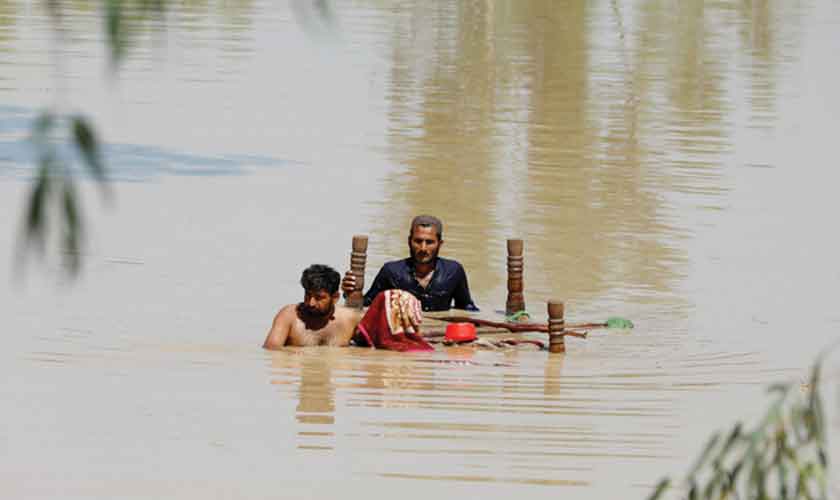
[(35, 214), (755, 477), (692, 492), (761, 486), (731, 439), (781, 472), (799, 425), (71, 211), (72, 230), (88, 145), (114, 31), (805, 477), (736, 470), (663, 485), (819, 417), (716, 481), (800, 486), (704, 456)]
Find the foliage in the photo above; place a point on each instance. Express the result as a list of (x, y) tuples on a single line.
[(54, 185), (783, 456)]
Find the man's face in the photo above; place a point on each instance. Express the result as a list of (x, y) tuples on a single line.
[(424, 244), (318, 303)]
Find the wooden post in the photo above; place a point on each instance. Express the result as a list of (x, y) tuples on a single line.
[(556, 326), (358, 259), (515, 299)]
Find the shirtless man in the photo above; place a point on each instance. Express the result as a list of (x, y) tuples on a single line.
[(316, 320)]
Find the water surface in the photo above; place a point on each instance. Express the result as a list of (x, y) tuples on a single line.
[(669, 163)]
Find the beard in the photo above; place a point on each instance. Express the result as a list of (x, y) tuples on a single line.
[(423, 257), (314, 311)]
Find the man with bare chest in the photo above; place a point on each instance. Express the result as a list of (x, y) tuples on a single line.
[(317, 320)]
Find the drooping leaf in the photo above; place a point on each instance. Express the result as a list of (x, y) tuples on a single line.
[(115, 34), (704, 456), (736, 470), (72, 229), (731, 439), (88, 145), (760, 484), (800, 486), (806, 479), (692, 492), (799, 425), (781, 473), (661, 487), (814, 403), (71, 210), (71, 256), (819, 418), (35, 215), (715, 482)]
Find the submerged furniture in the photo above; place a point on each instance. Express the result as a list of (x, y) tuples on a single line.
[(515, 302), (358, 259)]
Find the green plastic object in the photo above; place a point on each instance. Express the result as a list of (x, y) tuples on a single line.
[(517, 316), (616, 322)]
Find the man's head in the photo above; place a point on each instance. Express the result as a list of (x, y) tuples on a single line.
[(425, 238), (320, 286)]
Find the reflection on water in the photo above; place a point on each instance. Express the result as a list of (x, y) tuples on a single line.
[(506, 417), (570, 126), (667, 162)]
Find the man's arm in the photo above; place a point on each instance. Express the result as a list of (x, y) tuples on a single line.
[(350, 318), (462, 297), (280, 328)]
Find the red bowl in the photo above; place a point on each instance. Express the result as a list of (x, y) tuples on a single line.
[(460, 332)]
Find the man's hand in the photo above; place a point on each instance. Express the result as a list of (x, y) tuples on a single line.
[(348, 284), (410, 315)]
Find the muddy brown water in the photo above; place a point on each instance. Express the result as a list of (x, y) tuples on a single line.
[(672, 163)]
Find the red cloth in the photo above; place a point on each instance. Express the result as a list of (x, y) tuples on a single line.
[(392, 322)]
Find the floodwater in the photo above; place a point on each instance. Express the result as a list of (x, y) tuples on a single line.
[(668, 162)]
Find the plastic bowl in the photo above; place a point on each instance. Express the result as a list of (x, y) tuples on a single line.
[(460, 332)]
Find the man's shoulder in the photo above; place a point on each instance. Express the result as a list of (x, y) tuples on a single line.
[(450, 263), (395, 266), (289, 310)]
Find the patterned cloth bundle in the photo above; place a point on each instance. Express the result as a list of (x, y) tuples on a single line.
[(392, 322)]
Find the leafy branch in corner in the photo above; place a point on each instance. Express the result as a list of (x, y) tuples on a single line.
[(783, 456)]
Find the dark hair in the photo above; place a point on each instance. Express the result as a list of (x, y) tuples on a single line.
[(427, 221), (320, 277)]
